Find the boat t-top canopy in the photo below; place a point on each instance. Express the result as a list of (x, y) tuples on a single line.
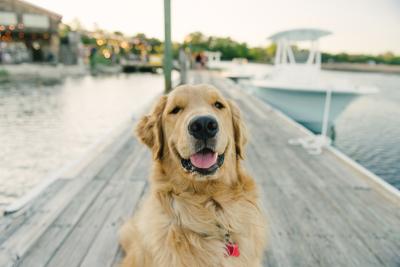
[(299, 35), (284, 40)]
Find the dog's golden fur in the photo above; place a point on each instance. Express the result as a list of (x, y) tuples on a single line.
[(183, 220)]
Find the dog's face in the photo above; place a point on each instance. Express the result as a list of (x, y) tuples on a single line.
[(194, 129)]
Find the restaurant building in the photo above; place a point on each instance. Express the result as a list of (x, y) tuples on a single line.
[(28, 33)]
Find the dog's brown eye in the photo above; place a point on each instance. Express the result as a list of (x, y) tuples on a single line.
[(175, 110), (218, 105)]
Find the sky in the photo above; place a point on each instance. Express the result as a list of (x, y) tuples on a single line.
[(358, 26)]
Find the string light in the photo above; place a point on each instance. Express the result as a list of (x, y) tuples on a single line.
[(106, 53), (125, 45), (100, 42)]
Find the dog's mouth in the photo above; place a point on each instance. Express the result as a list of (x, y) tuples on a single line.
[(205, 162)]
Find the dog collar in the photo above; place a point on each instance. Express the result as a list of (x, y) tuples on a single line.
[(232, 248)]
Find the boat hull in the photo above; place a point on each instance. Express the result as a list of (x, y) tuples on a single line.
[(306, 107)]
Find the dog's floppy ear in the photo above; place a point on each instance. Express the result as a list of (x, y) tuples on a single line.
[(240, 132), (149, 129)]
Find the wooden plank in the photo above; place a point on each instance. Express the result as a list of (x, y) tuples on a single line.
[(85, 231), (105, 246), (142, 173), (143, 167), (55, 235), (307, 225), (30, 231), (11, 222)]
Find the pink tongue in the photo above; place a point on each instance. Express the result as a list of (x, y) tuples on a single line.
[(204, 160)]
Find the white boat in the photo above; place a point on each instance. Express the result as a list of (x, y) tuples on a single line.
[(298, 89), (238, 70), (213, 59)]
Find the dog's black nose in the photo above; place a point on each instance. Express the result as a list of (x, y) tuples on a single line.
[(203, 127)]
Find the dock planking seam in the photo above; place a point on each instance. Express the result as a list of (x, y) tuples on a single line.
[(80, 237), (298, 226), (28, 232), (118, 217), (118, 257), (65, 223), (105, 246), (12, 221)]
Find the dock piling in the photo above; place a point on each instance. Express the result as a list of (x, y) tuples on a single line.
[(167, 46)]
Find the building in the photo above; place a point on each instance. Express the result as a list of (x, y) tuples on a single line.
[(28, 33)]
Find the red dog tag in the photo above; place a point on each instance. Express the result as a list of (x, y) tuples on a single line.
[(233, 249)]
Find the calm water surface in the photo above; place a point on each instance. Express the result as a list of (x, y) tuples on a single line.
[(369, 129), (45, 127)]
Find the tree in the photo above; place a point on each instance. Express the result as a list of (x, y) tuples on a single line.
[(228, 47), (197, 42)]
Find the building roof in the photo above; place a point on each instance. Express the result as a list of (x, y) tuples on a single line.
[(49, 13)]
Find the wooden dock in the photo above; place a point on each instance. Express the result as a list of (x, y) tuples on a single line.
[(322, 210)]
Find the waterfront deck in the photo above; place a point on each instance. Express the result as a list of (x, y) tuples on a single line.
[(322, 210)]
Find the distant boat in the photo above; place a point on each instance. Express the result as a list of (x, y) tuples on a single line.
[(238, 71), (213, 59), (298, 88)]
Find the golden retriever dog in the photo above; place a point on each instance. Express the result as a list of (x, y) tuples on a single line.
[(202, 209)]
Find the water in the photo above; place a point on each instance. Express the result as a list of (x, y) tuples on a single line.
[(369, 128), (45, 127)]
